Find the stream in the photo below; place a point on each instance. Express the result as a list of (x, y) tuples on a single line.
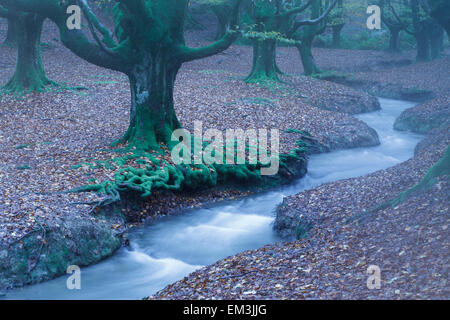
[(173, 247)]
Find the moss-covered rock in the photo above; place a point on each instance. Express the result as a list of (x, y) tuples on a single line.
[(46, 253)]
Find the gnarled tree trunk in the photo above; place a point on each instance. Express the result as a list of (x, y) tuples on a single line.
[(309, 65), (264, 66), (306, 37), (152, 114), (30, 74)]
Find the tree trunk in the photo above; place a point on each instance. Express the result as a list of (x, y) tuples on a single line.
[(309, 65), (152, 114), (337, 35), (423, 46), (306, 38), (30, 74), (11, 36), (264, 62), (394, 40)]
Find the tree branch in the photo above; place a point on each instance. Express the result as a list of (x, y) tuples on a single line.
[(405, 27), (311, 22), (75, 40), (94, 22), (189, 54)]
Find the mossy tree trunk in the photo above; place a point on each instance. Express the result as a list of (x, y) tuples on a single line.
[(305, 50), (428, 27), (275, 21), (152, 114), (264, 66), (391, 20), (306, 38), (147, 45), (266, 20), (422, 29), (29, 74)]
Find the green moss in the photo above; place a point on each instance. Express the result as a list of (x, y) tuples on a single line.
[(24, 145), (142, 173), (29, 75)]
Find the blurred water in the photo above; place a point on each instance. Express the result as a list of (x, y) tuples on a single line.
[(167, 251)]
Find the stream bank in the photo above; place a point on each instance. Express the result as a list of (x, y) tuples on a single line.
[(45, 253), (165, 251), (409, 242)]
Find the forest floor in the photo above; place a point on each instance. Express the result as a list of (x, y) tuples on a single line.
[(45, 134), (409, 243)]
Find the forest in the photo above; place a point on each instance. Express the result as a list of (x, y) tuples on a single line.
[(224, 150)]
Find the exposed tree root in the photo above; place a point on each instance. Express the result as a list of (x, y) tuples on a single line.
[(142, 172), (18, 87)]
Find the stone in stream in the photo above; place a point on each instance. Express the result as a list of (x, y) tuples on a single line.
[(46, 253)]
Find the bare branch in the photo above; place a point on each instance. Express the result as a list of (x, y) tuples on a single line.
[(189, 54), (399, 20), (311, 22), (94, 22)]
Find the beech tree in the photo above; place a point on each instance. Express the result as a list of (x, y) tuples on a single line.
[(274, 21), (29, 74), (147, 45), (426, 30), (439, 10), (304, 31), (336, 23), (393, 25)]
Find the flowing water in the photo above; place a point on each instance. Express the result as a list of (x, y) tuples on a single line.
[(173, 247)]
